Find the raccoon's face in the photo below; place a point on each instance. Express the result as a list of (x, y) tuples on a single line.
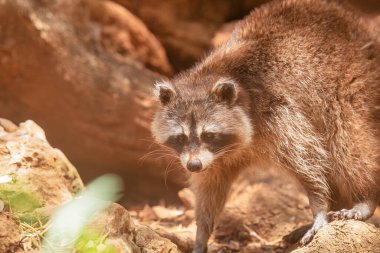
[(201, 124)]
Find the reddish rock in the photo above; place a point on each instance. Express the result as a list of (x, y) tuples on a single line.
[(94, 104)]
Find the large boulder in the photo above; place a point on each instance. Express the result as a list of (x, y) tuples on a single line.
[(75, 67)]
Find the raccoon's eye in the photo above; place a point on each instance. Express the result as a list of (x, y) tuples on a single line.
[(181, 139), (208, 136)]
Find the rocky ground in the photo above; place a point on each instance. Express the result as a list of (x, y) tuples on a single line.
[(83, 71)]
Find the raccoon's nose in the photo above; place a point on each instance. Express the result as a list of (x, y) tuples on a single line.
[(194, 165)]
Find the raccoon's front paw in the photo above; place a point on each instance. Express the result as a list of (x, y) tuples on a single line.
[(319, 222), (345, 214), (360, 211)]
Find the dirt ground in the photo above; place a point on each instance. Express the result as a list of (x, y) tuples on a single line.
[(264, 206)]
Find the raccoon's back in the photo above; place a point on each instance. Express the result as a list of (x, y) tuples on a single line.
[(321, 16), (312, 52)]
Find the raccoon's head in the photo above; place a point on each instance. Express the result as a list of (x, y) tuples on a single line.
[(201, 121)]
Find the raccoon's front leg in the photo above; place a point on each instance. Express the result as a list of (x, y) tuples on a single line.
[(319, 209), (211, 189)]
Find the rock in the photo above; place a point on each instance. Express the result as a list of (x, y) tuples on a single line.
[(147, 214), (26, 156), (151, 242), (95, 104), (181, 236), (7, 125), (127, 237), (343, 237), (36, 179), (164, 213), (116, 223)]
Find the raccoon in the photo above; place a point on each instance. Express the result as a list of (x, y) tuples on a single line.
[(296, 87)]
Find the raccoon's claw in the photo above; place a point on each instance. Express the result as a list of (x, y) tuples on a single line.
[(345, 214)]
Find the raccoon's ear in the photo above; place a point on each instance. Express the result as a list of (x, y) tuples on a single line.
[(225, 91), (164, 92)]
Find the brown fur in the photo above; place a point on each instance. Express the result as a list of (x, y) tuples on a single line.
[(308, 75)]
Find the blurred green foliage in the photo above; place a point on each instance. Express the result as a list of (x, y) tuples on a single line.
[(22, 201), (91, 241)]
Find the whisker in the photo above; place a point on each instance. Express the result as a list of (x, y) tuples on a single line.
[(160, 149), (166, 155), (167, 172), (228, 149), (149, 140), (155, 155)]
